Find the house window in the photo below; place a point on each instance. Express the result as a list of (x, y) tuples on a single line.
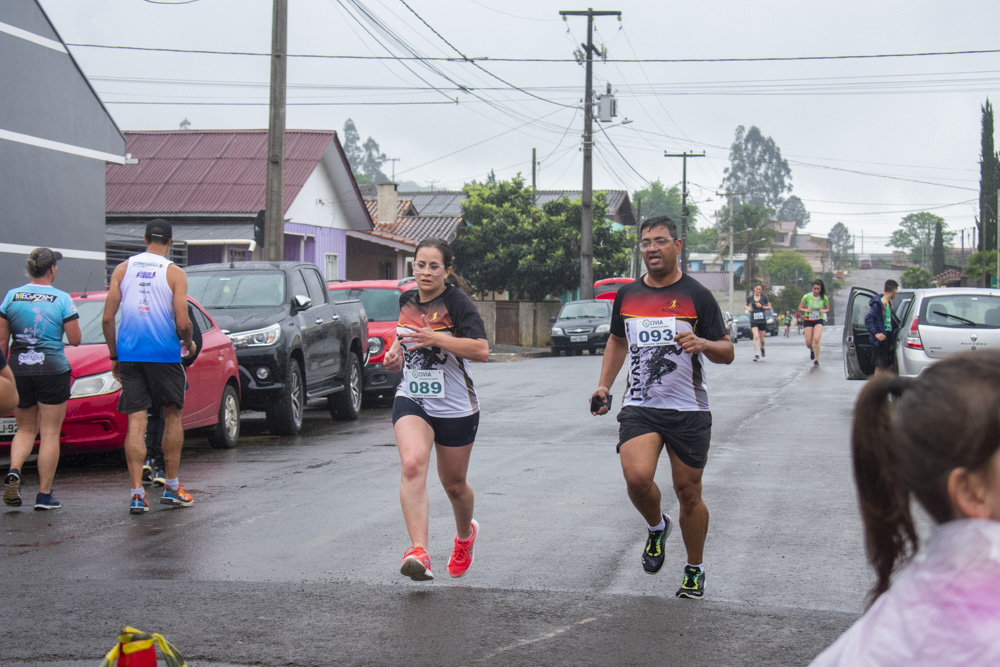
[(237, 255), (409, 266), (387, 270), (332, 266)]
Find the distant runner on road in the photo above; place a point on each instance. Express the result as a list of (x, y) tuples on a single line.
[(814, 306), (757, 306), (667, 325)]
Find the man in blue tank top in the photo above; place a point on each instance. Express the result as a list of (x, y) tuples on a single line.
[(151, 292)]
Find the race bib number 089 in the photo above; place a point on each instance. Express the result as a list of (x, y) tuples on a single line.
[(654, 331), (425, 384)]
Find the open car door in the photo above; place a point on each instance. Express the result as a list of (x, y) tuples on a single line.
[(859, 353)]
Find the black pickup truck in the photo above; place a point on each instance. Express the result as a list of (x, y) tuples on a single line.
[(293, 342)]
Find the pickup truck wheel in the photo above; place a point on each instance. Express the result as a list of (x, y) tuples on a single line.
[(286, 417), (226, 433), (346, 404)]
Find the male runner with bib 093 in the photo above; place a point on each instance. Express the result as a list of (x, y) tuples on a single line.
[(667, 325), (436, 406)]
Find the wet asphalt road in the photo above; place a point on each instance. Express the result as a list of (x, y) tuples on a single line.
[(290, 554)]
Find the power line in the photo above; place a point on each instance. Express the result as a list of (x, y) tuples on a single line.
[(477, 65), (547, 60)]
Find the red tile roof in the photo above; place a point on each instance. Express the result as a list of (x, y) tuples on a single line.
[(208, 171), (416, 228)]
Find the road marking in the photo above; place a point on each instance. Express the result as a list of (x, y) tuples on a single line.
[(527, 642)]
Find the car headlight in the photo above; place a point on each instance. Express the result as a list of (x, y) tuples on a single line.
[(556, 331), (257, 337), (604, 328), (375, 345), (94, 385)]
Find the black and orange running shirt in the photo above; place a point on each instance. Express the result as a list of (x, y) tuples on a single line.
[(660, 373), (437, 380)]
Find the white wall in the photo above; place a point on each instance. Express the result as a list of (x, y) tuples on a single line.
[(317, 203)]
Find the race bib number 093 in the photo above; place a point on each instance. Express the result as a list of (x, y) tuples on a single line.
[(425, 384), (654, 331)]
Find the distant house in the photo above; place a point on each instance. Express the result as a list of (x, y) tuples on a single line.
[(386, 251), (210, 185), (55, 138), (407, 218)]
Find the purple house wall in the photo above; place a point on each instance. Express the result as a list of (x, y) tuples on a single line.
[(312, 244)]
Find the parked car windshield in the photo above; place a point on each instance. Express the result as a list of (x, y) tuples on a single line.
[(980, 311), (91, 313), (228, 290), (742, 318), (381, 305), (572, 311)]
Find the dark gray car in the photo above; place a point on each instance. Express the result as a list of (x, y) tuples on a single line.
[(581, 325)]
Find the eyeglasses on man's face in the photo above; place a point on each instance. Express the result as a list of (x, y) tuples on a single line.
[(423, 267), (659, 242)]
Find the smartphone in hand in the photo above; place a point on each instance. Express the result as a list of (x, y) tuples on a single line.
[(596, 403)]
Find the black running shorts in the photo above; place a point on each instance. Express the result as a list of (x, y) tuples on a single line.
[(687, 434), (883, 356), (45, 389), (812, 323), (148, 385), (448, 431)]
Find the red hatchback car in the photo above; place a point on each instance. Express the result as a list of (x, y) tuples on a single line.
[(93, 422), (381, 301)]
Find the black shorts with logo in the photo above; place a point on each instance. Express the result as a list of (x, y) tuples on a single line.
[(44, 389), (448, 431), (148, 385), (687, 434)]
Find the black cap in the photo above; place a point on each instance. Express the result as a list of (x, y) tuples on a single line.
[(159, 230), (41, 260)]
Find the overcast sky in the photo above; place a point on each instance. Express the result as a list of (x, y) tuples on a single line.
[(897, 120)]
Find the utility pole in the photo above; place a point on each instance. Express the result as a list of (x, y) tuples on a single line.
[(587, 201), (636, 260), (534, 175), (684, 208), (732, 271), (274, 206), (393, 160)]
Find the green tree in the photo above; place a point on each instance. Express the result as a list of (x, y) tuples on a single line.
[(366, 159), (352, 145), (841, 243), (659, 200), (756, 171), (974, 267), (511, 246), (916, 234), (793, 209), (754, 231), (915, 277), (787, 266), (372, 161), (989, 181), (937, 252)]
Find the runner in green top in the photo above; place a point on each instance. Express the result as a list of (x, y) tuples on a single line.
[(813, 306)]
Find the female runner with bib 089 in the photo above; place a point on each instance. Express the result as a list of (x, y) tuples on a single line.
[(436, 406)]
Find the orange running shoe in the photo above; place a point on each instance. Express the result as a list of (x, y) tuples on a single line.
[(416, 564), (178, 498), (461, 556)]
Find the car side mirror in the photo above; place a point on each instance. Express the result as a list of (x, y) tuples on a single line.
[(552, 319), (301, 302)]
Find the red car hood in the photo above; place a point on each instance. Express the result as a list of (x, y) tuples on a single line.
[(380, 328), (88, 359)]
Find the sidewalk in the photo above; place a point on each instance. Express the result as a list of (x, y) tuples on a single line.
[(515, 352)]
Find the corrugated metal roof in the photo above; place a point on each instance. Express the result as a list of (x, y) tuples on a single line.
[(717, 281), (212, 171), (450, 202), (220, 231), (419, 227)]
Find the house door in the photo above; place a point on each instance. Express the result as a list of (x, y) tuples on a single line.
[(508, 323)]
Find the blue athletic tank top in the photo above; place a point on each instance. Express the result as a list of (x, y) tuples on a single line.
[(148, 330)]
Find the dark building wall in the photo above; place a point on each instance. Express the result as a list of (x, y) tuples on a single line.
[(50, 196), (369, 261)]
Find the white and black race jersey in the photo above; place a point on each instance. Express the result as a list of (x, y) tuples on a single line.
[(661, 374), (437, 380)]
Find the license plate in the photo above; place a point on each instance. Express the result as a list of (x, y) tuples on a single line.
[(8, 426), (578, 339)]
